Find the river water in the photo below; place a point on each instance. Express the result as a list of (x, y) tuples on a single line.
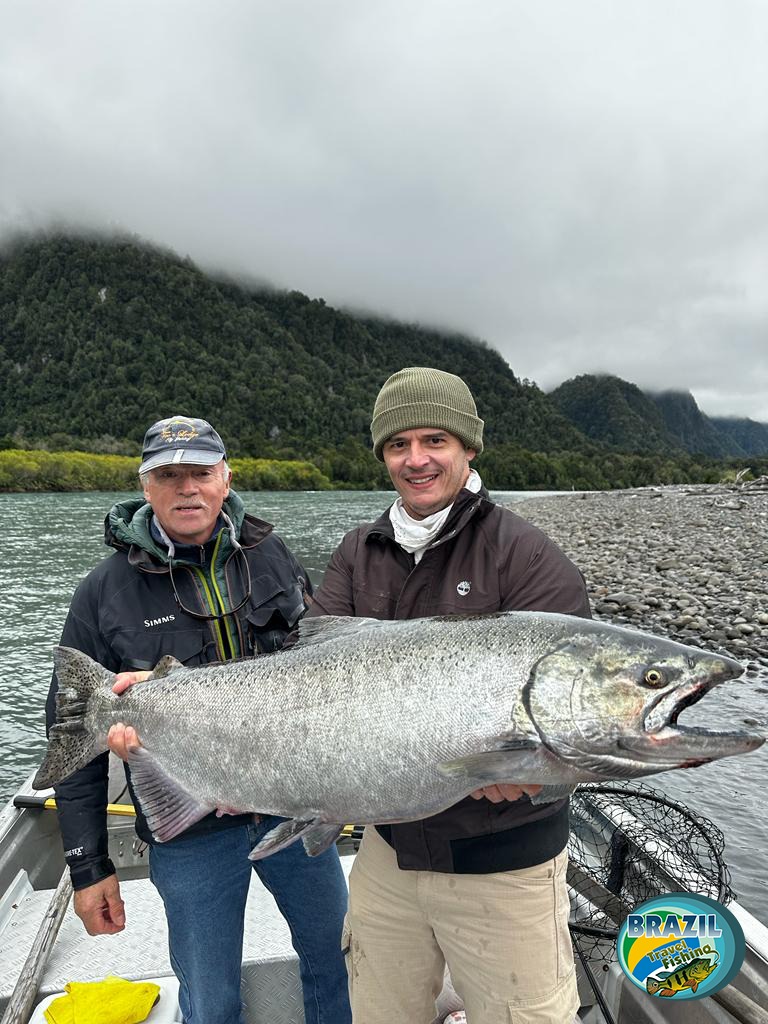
[(50, 541)]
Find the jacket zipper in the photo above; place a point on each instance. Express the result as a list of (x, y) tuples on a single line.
[(232, 602), (214, 583), (470, 512)]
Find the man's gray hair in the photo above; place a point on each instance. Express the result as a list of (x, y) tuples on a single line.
[(225, 471)]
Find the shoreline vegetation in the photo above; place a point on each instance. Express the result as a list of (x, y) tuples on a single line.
[(353, 467), (23, 471)]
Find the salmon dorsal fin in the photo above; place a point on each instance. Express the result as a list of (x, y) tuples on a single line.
[(166, 665), (320, 628)]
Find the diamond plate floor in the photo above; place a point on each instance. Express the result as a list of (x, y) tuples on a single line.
[(271, 986)]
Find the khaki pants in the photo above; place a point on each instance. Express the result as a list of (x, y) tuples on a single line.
[(504, 937)]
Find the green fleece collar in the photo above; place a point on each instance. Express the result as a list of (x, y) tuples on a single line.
[(128, 524)]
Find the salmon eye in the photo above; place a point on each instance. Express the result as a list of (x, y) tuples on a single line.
[(654, 677)]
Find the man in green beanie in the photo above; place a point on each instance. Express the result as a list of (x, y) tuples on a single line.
[(480, 886)]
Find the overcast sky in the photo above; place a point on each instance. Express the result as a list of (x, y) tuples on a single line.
[(581, 183)]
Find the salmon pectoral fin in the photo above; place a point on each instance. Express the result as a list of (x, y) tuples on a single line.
[(549, 794), (521, 763), (167, 806), (316, 836)]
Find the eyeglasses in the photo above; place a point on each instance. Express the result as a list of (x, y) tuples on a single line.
[(244, 576)]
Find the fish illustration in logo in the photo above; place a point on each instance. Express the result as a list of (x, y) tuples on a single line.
[(669, 983)]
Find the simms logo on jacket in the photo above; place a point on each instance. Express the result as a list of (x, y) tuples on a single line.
[(148, 623)]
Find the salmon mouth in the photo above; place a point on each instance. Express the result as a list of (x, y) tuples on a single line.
[(665, 741), (678, 747)]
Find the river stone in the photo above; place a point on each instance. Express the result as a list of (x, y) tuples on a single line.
[(622, 599), (666, 564), (686, 566)]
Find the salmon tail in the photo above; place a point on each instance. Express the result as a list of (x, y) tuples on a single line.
[(70, 744)]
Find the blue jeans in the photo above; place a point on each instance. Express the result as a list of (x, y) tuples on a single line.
[(203, 882)]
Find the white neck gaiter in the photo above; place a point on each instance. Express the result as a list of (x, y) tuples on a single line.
[(415, 535)]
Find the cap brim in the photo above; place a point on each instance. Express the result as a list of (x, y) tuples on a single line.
[(188, 456)]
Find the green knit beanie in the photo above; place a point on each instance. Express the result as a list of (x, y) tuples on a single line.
[(419, 396)]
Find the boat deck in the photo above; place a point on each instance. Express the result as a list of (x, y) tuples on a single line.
[(270, 968), (31, 863)]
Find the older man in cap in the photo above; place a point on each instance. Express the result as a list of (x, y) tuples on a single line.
[(480, 886), (194, 576)]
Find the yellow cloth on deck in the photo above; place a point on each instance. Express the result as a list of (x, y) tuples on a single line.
[(112, 1001)]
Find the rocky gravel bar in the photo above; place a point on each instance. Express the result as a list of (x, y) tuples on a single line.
[(688, 562)]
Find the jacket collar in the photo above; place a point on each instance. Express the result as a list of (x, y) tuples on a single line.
[(127, 528), (467, 506)]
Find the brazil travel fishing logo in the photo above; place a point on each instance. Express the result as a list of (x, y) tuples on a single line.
[(680, 946)]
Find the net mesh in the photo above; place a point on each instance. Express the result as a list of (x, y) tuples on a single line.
[(628, 844)]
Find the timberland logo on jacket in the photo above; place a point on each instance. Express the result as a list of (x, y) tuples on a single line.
[(148, 623), (463, 588)]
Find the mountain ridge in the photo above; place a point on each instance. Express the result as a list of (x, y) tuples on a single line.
[(616, 412), (98, 336)]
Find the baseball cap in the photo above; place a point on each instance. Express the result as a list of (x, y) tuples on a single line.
[(181, 439)]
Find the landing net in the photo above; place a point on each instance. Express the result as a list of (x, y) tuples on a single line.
[(628, 844)]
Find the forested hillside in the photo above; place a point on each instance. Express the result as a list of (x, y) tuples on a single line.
[(746, 435), (614, 412), (99, 337), (693, 431)]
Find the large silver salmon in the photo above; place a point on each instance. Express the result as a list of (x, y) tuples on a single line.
[(381, 721)]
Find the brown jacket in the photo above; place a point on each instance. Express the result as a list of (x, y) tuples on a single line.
[(486, 559)]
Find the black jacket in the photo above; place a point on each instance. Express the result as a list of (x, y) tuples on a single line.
[(125, 616)]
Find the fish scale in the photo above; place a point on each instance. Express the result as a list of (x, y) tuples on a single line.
[(374, 721)]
